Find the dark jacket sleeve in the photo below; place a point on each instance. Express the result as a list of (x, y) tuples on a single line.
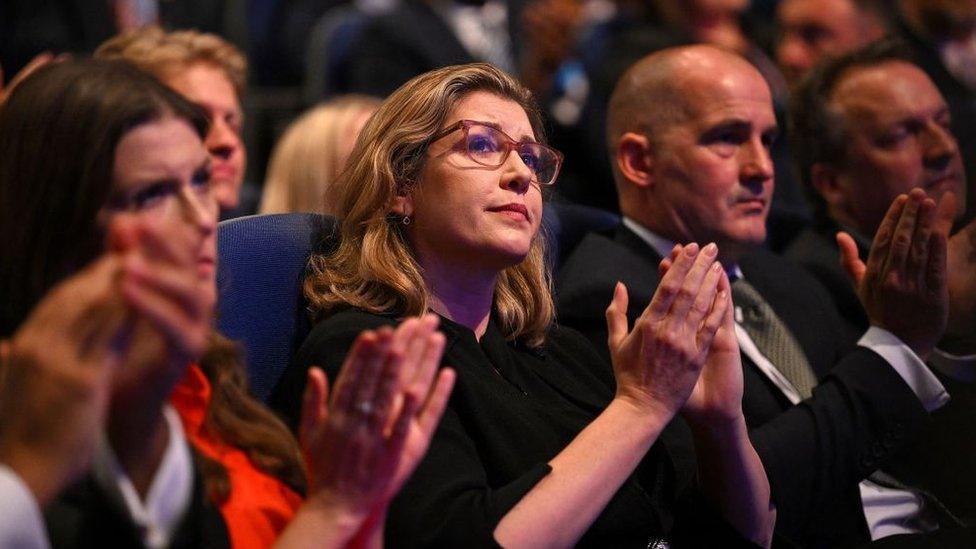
[(858, 416)]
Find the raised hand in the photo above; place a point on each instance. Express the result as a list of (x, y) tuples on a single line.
[(657, 364), (56, 378), (361, 446), (717, 396), (903, 286)]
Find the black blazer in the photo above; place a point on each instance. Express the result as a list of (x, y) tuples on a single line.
[(814, 453), (941, 460), (512, 410)]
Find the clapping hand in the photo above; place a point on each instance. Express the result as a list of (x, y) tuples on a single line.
[(657, 364), (363, 444), (903, 286)]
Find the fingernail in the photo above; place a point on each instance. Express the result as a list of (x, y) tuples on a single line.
[(711, 249), (691, 250), (716, 266)]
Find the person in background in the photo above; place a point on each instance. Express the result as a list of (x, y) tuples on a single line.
[(212, 73), (312, 153), (183, 439), (814, 30), (691, 130), (872, 125)]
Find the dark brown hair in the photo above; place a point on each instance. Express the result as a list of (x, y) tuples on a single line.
[(58, 133)]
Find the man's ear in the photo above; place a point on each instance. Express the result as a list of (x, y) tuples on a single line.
[(826, 180), (633, 158)]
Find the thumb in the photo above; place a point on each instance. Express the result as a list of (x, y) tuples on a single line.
[(617, 317), (849, 259)]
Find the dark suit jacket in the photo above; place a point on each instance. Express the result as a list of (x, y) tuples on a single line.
[(410, 40), (814, 453), (941, 460), (84, 516)]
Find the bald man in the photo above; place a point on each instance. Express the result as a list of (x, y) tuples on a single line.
[(689, 131)]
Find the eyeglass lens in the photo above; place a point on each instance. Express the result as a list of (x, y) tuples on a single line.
[(489, 146)]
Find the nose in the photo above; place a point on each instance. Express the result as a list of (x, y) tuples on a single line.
[(199, 209), (793, 56), (755, 165), (939, 147), (222, 141), (516, 175)]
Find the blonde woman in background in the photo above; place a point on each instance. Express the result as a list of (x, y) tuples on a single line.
[(312, 153)]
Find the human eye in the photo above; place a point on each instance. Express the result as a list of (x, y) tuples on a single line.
[(482, 143), (201, 180), (150, 196), (531, 157)]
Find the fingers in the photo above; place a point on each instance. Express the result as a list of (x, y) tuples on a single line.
[(437, 400), (617, 317), (936, 273), (901, 240), (314, 405), (362, 362), (881, 245), (916, 267), (172, 301), (703, 280), (720, 312), (671, 284), (850, 259)]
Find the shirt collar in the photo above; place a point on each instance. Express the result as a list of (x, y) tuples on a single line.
[(663, 246)]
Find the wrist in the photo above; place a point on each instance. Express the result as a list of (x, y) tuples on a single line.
[(723, 432), (640, 415)]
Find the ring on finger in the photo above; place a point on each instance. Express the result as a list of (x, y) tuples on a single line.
[(364, 407)]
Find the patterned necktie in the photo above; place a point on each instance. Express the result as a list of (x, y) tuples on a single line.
[(773, 338)]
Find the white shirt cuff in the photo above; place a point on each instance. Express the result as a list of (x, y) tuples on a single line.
[(21, 523), (958, 367), (919, 378)]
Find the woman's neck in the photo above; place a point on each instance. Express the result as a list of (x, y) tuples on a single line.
[(460, 294)]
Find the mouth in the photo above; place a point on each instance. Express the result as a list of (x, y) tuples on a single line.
[(513, 210), (206, 266), (752, 203), (942, 182), (223, 172)]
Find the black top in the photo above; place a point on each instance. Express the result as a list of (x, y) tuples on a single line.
[(512, 410)]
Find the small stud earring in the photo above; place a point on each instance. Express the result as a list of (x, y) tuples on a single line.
[(405, 220)]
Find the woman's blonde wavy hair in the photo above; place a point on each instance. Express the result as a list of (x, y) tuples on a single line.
[(373, 268)]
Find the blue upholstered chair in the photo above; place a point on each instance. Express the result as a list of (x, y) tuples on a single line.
[(262, 261)]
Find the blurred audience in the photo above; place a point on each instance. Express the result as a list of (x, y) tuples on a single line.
[(312, 153), (28, 27), (212, 73), (813, 30), (421, 35)]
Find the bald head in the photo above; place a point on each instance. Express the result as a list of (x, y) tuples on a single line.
[(655, 93), (689, 131)]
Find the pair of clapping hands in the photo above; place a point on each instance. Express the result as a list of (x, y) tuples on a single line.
[(682, 354), (60, 370)]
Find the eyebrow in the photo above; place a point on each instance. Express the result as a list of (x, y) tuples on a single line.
[(497, 126), (739, 124)]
